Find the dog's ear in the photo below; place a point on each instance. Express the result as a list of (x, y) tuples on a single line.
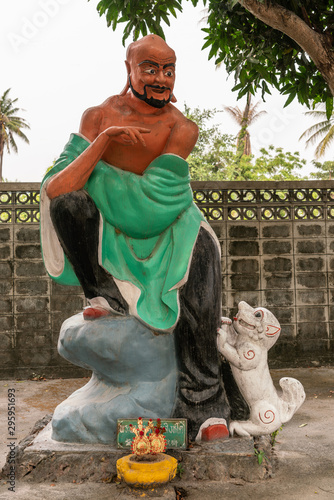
[(272, 330)]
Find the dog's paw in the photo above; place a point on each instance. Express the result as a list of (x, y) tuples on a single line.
[(225, 321), (221, 338), (237, 428)]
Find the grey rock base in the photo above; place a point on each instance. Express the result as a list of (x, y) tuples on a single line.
[(134, 375)]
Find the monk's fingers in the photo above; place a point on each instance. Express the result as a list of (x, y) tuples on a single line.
[(143, 130), (140, 137), (131, 135), (119, 131), (135, 133)]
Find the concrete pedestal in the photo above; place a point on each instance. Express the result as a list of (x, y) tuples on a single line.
[(40, 459)]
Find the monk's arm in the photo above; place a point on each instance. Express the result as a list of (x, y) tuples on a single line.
[(182, 139), (77, 173)]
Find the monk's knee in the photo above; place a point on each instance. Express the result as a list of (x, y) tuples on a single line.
[(77, 205)]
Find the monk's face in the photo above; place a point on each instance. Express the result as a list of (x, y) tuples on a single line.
[(151, 67)]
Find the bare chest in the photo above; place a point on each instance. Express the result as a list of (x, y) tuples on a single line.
[(136, 158)]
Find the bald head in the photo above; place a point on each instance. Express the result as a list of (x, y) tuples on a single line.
[(150, 44)]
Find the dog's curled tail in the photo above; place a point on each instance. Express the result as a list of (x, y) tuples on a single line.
[(292, 398)]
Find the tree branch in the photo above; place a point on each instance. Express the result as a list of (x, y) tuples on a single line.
[(305, 16), (315, 44)]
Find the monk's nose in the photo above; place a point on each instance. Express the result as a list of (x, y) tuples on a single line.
[(160, 77)]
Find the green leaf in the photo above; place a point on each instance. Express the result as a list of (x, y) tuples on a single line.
[(329, 107), (143, 28), (207, 44), (290, 99), (101, 7), (127, 31), (165, 18)]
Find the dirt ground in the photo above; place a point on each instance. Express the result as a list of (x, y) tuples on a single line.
[(304, 448)]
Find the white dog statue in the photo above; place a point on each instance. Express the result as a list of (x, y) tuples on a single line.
[(245, 344)]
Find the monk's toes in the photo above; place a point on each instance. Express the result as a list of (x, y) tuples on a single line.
[(95, 312)]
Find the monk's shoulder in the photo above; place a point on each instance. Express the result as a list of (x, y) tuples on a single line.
[(91, 121), (183, 136), (116, 105), (94, 119), (182, 122)]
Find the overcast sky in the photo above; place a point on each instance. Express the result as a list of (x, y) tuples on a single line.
[(59, 58)]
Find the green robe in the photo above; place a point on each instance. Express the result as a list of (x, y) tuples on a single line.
[(149, 227)]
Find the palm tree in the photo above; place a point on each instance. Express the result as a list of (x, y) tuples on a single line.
[(11, 125), (323, 130), (245, 119)]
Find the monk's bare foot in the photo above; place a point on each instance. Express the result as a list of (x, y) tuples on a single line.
[(94, 312), (98, 308), (213, 429)]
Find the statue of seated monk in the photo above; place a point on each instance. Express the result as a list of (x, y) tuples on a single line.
[(118, 217)]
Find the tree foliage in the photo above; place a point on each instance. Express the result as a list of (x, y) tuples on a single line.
[(11, 125), (261, 56), (141, 17), (214, 151), (292, 52), (321, 132), (216, 156), (324, 171), (277, 165)]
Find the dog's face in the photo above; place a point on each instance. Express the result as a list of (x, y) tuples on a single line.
[(259, 324)]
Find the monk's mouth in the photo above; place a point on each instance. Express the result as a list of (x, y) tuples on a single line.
[(158, 90)]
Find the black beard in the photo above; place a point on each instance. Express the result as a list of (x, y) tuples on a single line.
[(155, 103)]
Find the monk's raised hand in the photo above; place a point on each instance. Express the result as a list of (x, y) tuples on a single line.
[(127, 135)]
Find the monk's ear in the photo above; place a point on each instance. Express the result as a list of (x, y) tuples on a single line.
[(173, 99), (127, 86)]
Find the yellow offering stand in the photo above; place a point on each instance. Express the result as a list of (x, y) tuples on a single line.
[(146, 474)]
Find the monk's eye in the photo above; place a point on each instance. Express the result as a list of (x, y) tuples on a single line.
[(169, 73), (150, 71), (258, 314)]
